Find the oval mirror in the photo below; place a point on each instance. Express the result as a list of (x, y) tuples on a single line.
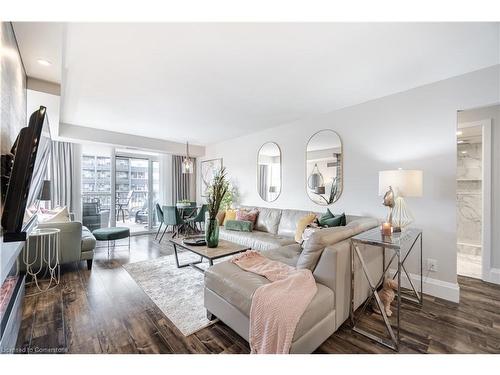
[(269, 171), (324, 167)]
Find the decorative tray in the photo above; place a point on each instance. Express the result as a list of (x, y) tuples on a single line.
[(195, 241)]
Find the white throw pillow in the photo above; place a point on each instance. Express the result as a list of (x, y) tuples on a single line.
[(308, 233), (61, 215), (30, 212)]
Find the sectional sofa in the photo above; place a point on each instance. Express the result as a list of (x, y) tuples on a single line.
[(228, 289)]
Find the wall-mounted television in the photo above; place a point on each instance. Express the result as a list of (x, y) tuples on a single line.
[(23, 172)]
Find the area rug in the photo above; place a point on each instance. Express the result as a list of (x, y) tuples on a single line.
[(178, 292)]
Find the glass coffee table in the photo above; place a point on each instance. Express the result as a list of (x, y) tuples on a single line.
[(224, 249)]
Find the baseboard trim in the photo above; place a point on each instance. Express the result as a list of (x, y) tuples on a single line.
[(434, 287), (494, 275), (443, 289)]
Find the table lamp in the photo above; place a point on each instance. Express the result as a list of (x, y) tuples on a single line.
[(45, 192), (400, 183)]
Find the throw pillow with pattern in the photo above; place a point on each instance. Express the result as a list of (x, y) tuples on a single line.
[(247, 215)]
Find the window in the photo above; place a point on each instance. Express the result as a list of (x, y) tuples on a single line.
[(96, 180)]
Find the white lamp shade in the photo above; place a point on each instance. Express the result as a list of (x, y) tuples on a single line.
[(407, 183)]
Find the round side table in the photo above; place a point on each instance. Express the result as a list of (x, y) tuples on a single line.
[(44, 258)]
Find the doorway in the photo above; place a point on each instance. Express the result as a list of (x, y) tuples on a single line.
[(473, 194), (469, 201), (136, 191)]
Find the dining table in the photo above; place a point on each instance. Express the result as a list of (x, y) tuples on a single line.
[(187, 212)]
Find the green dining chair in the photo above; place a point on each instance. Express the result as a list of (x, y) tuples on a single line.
[(198, 219), (159, 213), (171, 217)]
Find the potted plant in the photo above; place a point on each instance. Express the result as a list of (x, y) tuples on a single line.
[(230, 198), (216, 193)]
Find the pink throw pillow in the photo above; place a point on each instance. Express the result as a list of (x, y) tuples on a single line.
[(247, 215)]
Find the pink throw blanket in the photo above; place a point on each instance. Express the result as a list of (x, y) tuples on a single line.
[(278, 306)]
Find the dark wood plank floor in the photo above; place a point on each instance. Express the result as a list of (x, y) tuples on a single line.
[(105, 311)]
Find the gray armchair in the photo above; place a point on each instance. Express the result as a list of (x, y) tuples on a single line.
[(76, 243), (93, 217)]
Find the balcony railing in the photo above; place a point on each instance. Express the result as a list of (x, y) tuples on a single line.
[(104, 198), (138, 200)]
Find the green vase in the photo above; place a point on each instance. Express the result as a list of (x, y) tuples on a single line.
[(212, 232)]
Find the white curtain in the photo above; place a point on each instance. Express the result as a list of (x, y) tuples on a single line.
[(263, 181), (63, 175)]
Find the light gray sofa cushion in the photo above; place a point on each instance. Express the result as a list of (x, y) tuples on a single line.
[(289, 220), (268, 220), (256, 240), (88, 240), (286, 254), (237, 287), (315, 245)]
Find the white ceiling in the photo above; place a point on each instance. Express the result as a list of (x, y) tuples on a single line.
[(41, 40), (208, 82)]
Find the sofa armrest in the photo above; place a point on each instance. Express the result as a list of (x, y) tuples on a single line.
[(70, 240), (319, 240), (334, 271)]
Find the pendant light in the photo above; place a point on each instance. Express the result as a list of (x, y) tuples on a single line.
[(315, 179), (187, 163)]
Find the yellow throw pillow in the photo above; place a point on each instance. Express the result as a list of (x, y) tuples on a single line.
[(302, 224), (230, 215)]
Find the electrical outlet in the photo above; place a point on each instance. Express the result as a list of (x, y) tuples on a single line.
[(432, 265)]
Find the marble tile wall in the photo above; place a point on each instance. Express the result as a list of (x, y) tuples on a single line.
[(469, 161), (469, 200), (12, 88)]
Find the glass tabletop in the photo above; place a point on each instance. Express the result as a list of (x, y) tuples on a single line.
[(43, 232), (396, 240)]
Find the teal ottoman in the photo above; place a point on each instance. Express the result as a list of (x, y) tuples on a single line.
[(112, 234)]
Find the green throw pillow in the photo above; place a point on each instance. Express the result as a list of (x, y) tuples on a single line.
[(336, 221), (326, 216), (239, 225)]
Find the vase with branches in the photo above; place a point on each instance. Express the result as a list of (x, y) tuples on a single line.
[(216, 193)]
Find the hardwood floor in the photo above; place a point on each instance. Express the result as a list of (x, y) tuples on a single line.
[(105, 311)]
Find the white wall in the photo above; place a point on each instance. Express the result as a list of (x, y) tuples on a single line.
[(166, 179), (35, 99), (493, 113), (414, 129), (83, 134)]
